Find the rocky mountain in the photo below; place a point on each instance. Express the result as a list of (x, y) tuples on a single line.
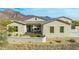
[(10, 14)]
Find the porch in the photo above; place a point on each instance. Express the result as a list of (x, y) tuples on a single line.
[(34, 28)]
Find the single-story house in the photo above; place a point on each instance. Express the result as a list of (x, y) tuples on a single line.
[(57, 27)]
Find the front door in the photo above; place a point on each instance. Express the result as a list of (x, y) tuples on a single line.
[(29, 28)]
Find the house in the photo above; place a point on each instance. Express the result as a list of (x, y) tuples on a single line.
[(57, 27)]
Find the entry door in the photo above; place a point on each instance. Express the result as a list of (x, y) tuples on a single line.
[(28, 28)]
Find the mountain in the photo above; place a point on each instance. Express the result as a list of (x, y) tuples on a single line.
[(48, 18), (10, 14)]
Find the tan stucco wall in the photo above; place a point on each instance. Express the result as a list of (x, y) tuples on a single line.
[(33, 19), (21, 28), (77, 27), (56, 24)]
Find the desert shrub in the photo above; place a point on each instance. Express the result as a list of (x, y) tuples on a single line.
[(71, 41), (17, 34), (4, 22), (20, 35), (24, 35), (33, 35), (50, 42), (36, 35), (58, 41), (9, 34), (3, 38), (39, 35)]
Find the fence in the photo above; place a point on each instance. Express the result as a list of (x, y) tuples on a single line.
[(24, 40)]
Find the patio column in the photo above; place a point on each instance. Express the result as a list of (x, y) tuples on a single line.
[(41, 29), (25, 28)]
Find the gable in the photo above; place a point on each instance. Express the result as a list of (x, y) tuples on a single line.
[(35, 19)]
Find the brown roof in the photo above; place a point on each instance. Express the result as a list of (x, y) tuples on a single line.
[(31, 16), (31, 22), (40, 22)]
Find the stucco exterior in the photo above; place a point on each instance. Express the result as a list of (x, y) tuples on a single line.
[(21, 28), (45, 28), (33, 19), (77, 27), (56, 24)]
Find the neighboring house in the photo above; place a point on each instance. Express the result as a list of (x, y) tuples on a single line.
[(57, 27)]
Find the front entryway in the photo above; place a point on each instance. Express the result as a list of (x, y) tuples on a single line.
[(34, 28)]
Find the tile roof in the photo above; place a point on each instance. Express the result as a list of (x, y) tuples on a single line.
[(41, 22)]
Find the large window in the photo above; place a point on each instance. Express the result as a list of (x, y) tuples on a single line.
[(51, 29), (13, 28), (16, 28), (61, 29), (35, 18), (73, 27)]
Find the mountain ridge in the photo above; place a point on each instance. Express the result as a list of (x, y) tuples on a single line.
[(11, 14)]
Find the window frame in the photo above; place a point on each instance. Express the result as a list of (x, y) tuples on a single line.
[(51, 29), (61, 29), (35, 18), (73, 27), (16, 27)]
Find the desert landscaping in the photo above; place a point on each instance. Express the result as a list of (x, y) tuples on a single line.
[(36, 41), (70, 44)]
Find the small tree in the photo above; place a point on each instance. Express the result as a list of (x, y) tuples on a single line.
[(3, 37), (11, 29)]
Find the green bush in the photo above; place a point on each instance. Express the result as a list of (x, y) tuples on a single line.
[(11, 29), (20, 35), (17, 34), (36, 35), (33, 35), (9, 34)]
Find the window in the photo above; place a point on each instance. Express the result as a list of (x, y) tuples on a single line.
[(61, 29), (72, 27), (35, 28), (35, 18), (52, 29), (16, 28)]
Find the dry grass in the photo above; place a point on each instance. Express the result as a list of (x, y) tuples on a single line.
[(50, 45), (41, 46)]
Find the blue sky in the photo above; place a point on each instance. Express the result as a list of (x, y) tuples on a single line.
[(51, 12)]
